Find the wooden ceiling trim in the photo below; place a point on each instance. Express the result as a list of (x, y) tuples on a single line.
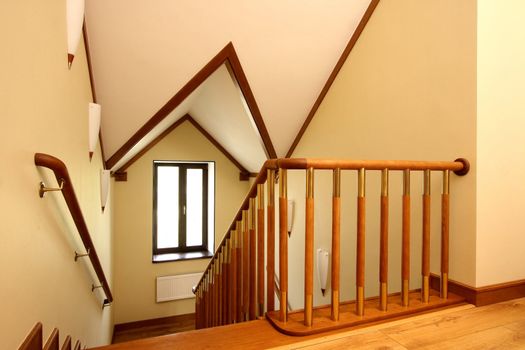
[(357, 33), (235, 67), (176, 124), (227, 54)]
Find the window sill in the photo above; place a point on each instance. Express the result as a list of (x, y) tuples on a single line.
[(160, 258)]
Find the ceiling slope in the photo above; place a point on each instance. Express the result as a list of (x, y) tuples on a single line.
[(144, 52)]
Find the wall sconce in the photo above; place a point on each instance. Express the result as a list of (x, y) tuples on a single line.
[(94, 127), (291, 206), (75, 21), (104, 187), (322, 267)]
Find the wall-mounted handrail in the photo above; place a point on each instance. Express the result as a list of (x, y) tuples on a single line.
[(62, 175)]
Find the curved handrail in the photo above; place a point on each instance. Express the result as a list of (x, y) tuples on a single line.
[(460, 167), (61, 174)]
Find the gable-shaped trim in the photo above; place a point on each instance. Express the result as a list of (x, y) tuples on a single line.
[(226, 55), (357, 33), (244, 174)]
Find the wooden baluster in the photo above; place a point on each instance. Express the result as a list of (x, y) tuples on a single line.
[(309, 250), (360, 256), (221, 285), (229, 284), (270, 249), (445, 234), (209, 302), (238, 249), (233, 269), (383, 244), (283, 244), (260, 249), (197, 304), (214, 287), (212, 296), (217, 291), (198, 308), (205, 301), (336, 243), (245, 266), (208, 299), (253, 259), (425, 260), (225, 284), (405, 254)]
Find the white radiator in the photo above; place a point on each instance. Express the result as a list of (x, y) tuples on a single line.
[(176, 287)]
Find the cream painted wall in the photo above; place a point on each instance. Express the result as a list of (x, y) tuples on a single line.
[(45, 109), (407, 91), (500, 143), (134, 272)]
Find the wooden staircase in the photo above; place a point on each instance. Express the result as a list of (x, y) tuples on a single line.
[(34, 341)]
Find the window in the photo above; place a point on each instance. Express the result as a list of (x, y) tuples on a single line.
[(181, 210)]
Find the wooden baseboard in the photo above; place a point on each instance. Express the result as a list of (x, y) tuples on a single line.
[(154, 322), (483, 295)]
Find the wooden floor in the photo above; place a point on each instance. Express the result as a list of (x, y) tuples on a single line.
[(497, 326), (145, 329)]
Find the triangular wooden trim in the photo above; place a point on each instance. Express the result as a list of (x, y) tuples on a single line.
[(227, 54), (175, 125), (357, 33), (33, 341)]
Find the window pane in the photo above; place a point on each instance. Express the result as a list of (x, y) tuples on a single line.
[(194, 204), (167, 206)]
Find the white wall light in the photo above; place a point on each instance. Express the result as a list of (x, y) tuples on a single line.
[(75, 21), (291, 206), (322, 268), (94, 127), (104, 187)]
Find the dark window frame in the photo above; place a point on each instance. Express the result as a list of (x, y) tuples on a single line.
[(179, 252)]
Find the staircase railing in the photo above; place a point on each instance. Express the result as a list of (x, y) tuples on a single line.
[(232, 288), (66, 187)]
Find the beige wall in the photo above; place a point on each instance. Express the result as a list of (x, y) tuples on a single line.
[(134, 272), (407, 91), (500, 144), (45, 109)]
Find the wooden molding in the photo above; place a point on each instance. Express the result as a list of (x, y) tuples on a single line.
[(228, 55), (120, 177), (92, 84), (333, 75), (176, 124), (480, 296), (153, 322)]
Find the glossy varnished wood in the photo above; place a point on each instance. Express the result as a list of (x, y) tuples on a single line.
[(61, 173), (499, 326), (322, 321), (33, 341), (226, 55), (52, 342)]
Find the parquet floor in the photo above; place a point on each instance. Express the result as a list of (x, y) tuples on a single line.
[(497, 326)]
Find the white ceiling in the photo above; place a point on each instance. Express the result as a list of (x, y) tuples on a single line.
[(218, 106), (143, 52)]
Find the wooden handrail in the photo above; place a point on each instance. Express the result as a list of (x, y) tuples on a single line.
[(460, 167), (62, 175), (246, 243)]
